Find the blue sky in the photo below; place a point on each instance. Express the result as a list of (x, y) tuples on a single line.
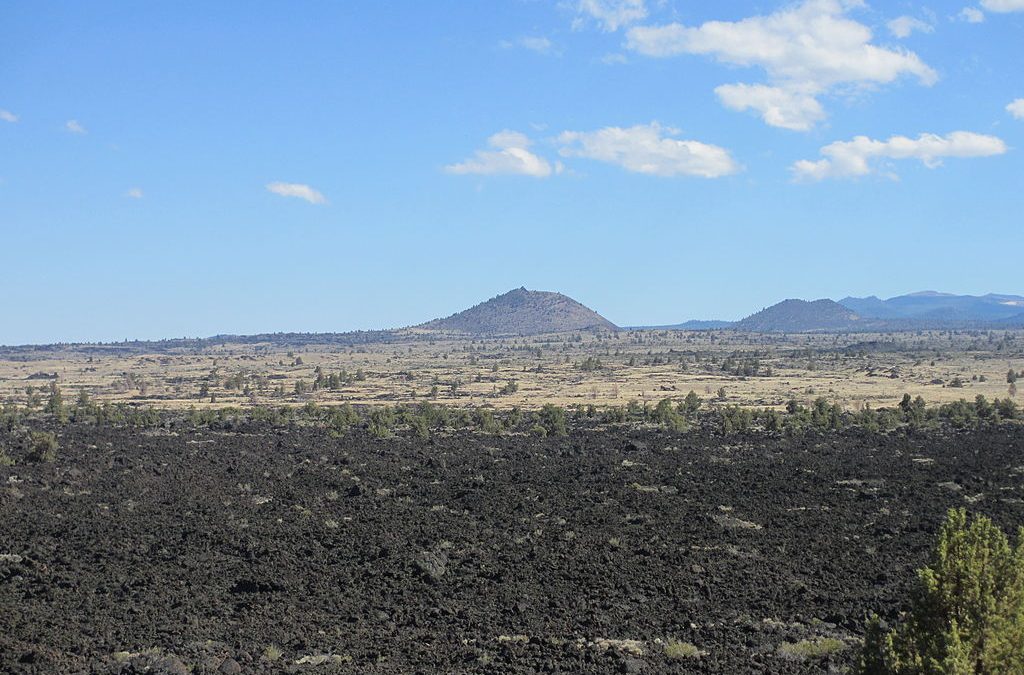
[(192, 168)]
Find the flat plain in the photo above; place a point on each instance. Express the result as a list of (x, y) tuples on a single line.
[(583, 368)]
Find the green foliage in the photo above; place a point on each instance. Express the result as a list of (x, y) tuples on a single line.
[(42, 447), (690, 404), (772, 420), (10, 416), (55, 404), (734, 420), (667, 416), (85, 409), (420, 427), (967, 614), (382, 422), (485, 422), (613, 415), (552, 419)]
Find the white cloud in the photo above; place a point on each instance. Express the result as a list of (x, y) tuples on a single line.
[(613, 14), (134, 193), (297, 190), (971, 15), (1016, 108), (540, 45), (508, 156), (1003, 5), (649, 149), (903, 26), (8, 116), (74, 127), (847, 159), (806, 50), (779, 107)]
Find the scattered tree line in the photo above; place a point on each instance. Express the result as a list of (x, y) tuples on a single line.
[(678, 414)]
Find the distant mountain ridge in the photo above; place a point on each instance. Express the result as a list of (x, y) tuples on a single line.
[(523, 312), (933, 306)]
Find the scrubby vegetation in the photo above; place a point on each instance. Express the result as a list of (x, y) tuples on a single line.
[(674, 414), (815, 648), (677, 650), (42, 446), (967, 614)]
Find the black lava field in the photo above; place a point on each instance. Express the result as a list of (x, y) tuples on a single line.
[(289, 550)]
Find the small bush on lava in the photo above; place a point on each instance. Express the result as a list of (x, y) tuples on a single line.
[(681, 650), (42, 447), (815, 648)]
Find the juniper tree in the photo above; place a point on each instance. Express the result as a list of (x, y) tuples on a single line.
[(967, 612)]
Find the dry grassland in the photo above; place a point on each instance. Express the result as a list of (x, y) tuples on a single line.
[(644, 366)]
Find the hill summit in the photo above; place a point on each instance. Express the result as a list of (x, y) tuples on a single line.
[(523, 312), (797, 316)]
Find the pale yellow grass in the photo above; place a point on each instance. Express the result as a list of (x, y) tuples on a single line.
[(173, 380)]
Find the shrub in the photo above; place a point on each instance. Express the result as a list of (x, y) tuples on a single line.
[(55, 404), (967, 613), (42, 447), (816, 648), (667, 416), (681, 650), (485, 422), (382, 421), (552, 418), (420, 426)]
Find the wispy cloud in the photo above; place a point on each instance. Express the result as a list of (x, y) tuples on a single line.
[(860, 156), (538, 45), (613, 14), (134, 193), (971, 15), (298, 190), (1003, 5), (806, 50), (1016, 108), (75, 127), (509, 154), (649, 149), (8, 116), (903, 26)]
